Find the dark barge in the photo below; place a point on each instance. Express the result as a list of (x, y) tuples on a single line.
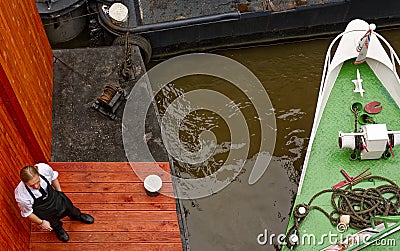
[(173, 26)]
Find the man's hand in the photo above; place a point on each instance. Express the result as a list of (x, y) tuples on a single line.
[(45, 225)]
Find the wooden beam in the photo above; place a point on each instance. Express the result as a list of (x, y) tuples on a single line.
[(15, 110)]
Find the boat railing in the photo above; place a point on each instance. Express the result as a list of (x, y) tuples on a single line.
[(394, 58), (327, 62)]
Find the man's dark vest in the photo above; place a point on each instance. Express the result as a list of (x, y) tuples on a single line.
[(50, 205)]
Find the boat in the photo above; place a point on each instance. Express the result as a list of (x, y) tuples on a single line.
[(204, 25), (352, 162)]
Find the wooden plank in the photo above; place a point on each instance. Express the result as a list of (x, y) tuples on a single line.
[(107, 246), (12, 215), (15, 152), (115, 171), (126, 206), (14, 108), (107, 177), (9, 242), (3, 240), (118, 226), (10, 223), (106, 167), (9, 227), (20, 59), (110, 187), (104, 237), (118, 197), (135, 215)]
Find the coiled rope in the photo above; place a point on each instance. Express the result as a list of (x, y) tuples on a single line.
[(361, 204), (108, 93)]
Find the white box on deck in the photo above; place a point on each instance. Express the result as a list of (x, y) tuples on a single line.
[(376, 138)]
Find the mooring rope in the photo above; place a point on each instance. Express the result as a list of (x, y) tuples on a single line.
[(360, 204), (69, 19)]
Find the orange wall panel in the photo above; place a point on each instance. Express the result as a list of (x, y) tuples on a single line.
[(26, 78), (26, 59), (13, 155)]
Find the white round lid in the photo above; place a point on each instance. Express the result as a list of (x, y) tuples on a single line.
[(118, 12), (152, 183), (302, 210)]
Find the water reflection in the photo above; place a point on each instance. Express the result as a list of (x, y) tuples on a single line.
[(200, 121)]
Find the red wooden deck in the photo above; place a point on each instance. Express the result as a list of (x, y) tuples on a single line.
[(125, 217)]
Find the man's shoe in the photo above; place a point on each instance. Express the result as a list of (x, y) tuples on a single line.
[(86, 218), (62, 235)]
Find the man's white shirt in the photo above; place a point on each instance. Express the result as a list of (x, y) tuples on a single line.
[(22, 196)]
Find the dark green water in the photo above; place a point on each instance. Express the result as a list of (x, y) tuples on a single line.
[(233, 218)]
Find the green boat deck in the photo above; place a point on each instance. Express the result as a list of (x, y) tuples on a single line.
[(326, 158)]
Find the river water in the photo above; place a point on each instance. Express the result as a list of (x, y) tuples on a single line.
[(242, 215)]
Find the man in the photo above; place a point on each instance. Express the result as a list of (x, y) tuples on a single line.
[(40, 198)]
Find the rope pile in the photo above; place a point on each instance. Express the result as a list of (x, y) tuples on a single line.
[(361, 204)]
